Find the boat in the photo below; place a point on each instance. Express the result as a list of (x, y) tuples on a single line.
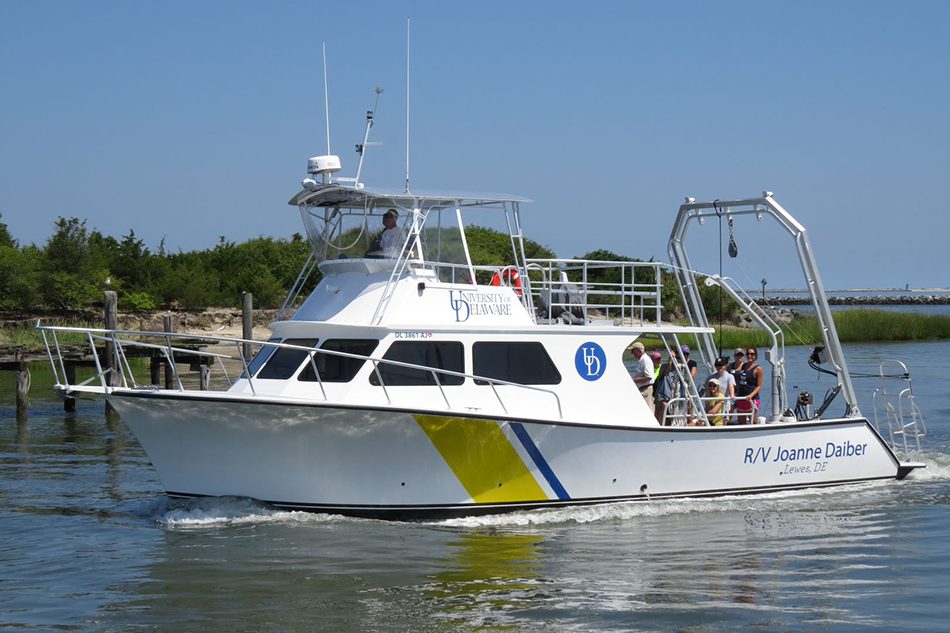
[(416, 382)]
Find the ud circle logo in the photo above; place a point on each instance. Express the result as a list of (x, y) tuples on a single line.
[(590, 361)]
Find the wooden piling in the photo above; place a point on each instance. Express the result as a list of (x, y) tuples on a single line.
[(155, 369), (22, 388), (168, 323), (69, 403), (111, 318), (204, 376), (247, 317)]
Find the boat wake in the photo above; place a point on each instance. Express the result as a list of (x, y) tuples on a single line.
[(783, 501), (230, 511), (211, 512), (938, 468)]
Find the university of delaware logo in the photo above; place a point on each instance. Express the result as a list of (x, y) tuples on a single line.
[(590, 361), (462, 308)]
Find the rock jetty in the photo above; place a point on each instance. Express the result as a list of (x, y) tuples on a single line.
[(865, 300)]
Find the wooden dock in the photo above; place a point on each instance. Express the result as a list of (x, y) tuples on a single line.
[(73, 355)]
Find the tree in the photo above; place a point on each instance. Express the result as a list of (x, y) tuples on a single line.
[(73, 273), (5, 238), (19, 277)]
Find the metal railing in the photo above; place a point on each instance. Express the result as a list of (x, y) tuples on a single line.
[(905, 423), (682, 411), (582, 290), (118, 374)]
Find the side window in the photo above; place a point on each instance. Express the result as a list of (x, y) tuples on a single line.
[(262, 355), (525, 363), (284, 362), (339, 368), (438, 354)]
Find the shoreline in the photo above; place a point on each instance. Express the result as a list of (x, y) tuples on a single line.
[(863, 300)]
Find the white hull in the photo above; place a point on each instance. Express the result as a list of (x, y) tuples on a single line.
[(400, 464)]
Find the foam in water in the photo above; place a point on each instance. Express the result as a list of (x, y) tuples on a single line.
[(231, 511), (237, 511), (765, 502), (938, 468)]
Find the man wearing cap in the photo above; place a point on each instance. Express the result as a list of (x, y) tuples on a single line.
[(392, 239), (642, 372)]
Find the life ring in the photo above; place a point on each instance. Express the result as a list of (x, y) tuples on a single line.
[(508, 276)]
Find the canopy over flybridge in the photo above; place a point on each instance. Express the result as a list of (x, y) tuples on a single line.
[(335, 194)]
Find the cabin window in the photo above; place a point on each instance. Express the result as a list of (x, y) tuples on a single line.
[(285, 362), (339, 368), (262, 355), (446, 355), (526, 363)]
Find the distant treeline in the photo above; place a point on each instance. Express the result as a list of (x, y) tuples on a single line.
[(74, 266)]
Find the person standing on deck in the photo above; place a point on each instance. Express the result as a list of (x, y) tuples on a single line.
[(726, 383), (736, 365), (642, 372), (691, 364), (749, 378)]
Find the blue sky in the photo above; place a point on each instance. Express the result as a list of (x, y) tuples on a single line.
[(190, 120)]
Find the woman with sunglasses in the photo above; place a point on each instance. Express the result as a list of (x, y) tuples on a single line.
[(748, 384)]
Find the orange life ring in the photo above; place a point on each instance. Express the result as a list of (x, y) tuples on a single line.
[(507, 276)]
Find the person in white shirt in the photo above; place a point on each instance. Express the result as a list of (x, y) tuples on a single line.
[(642, 372), (726, 383), (393, 237)]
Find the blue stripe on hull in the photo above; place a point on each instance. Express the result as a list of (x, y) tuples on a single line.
[(539, 461)]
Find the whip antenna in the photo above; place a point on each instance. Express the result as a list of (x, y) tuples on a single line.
[(326, 95), (407, 105)]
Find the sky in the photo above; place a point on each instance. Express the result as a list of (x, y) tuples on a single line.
[(187, 121)]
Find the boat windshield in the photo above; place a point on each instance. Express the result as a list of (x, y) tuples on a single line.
[(436, 229)]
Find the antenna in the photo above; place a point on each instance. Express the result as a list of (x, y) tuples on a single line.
[(407, 104), (326, 95), (361, 148)]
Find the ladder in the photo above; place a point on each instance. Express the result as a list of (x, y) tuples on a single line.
[(896, 407)]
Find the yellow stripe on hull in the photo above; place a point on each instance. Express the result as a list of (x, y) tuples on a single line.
[(482, 458)]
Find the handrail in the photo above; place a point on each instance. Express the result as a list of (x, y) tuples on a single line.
[(704, 415), (555, 277), (168, 350)]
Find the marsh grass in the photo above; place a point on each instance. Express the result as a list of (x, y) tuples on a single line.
[(23, 338), (853, 326)]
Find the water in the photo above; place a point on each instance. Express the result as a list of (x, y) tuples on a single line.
[(87, 542)]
